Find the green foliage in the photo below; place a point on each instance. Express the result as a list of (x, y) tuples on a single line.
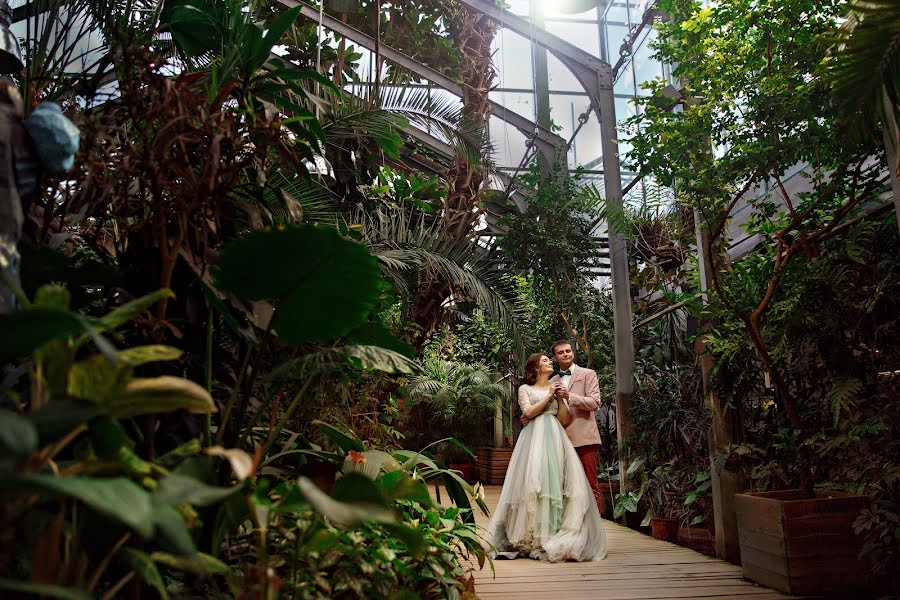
[(552, 247), (412, 250), (324, 295), (459, 398), (865, 66), (67, 465), (371, 562)]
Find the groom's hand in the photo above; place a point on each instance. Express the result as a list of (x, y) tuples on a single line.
[(524, 420)]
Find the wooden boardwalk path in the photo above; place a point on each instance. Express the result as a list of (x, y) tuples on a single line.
[(637, 567)]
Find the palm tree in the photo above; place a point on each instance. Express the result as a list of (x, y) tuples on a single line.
[(460, 399), (413, 251)]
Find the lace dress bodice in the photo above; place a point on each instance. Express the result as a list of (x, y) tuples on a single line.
[(529, 395)]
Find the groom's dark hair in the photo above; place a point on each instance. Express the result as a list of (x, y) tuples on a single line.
[(561, 343)]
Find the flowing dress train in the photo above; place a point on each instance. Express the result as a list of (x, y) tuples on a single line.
[(546, 509)]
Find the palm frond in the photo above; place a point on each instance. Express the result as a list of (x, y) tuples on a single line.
[(406, 245), (866, 64), (333, 359)]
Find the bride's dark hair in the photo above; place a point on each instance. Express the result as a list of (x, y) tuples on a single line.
[(531, 367)]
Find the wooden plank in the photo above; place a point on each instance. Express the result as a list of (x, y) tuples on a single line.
[(637, 567)]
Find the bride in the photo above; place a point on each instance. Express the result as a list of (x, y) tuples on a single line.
[(546, 509)]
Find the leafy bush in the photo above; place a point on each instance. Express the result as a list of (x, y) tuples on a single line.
[(82, 511)]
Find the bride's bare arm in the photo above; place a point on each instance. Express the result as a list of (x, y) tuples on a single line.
[(563, 414)]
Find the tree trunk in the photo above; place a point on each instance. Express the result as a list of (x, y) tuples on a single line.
[(473, 34)]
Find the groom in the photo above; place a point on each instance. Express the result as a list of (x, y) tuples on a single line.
[(581, 391)]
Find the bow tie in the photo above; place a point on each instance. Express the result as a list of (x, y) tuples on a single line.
[(564, 373)]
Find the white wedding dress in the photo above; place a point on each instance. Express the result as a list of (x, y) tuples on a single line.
[(546, 509)]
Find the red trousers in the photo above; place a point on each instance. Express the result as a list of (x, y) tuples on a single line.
[(590, 458)]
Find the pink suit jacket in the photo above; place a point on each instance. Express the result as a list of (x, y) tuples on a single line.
[(584, 400)]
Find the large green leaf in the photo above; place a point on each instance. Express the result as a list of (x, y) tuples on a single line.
[(60, 415), (98, 379), (140, 355), (27, 330), (102, 380), (275, 32), (323, 285), (143, 565), (343, 440), (42, 590), (18, 435), (130, 310), (118, 498), (399, 485), (200, 564), (181, 489), (355, 487), (381, 359), (172, 530), (159, 395), (343, 513), (191, 26)]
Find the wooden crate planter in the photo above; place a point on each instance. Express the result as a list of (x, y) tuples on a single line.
[(804, 547), (492, 464)]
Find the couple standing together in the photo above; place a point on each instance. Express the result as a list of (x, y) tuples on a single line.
[(549, 508)]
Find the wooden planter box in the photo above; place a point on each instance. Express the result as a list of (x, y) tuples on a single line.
[(492, 464), (804, 547)]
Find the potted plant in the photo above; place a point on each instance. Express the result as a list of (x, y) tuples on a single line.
[(460, 400), (609, 484), (662, 515), (695, 530)]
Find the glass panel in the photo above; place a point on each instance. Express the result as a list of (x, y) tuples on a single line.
[(624, 86), (519, 7), (512, 59), (587, 147), (646, 68), (561, 78), (615, 35), (617, 12), (556, 9), (564, 110), (584, 35), (508, 143), (518, 102)]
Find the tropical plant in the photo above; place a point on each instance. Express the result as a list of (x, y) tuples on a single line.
[(552, 244), (412, 249), (763, 114), (865, 68), (458, 398), (83, 512)]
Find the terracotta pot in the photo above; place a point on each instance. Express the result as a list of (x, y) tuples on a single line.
[(802, 546), (664, 529), (608, 492), (699, 539)]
